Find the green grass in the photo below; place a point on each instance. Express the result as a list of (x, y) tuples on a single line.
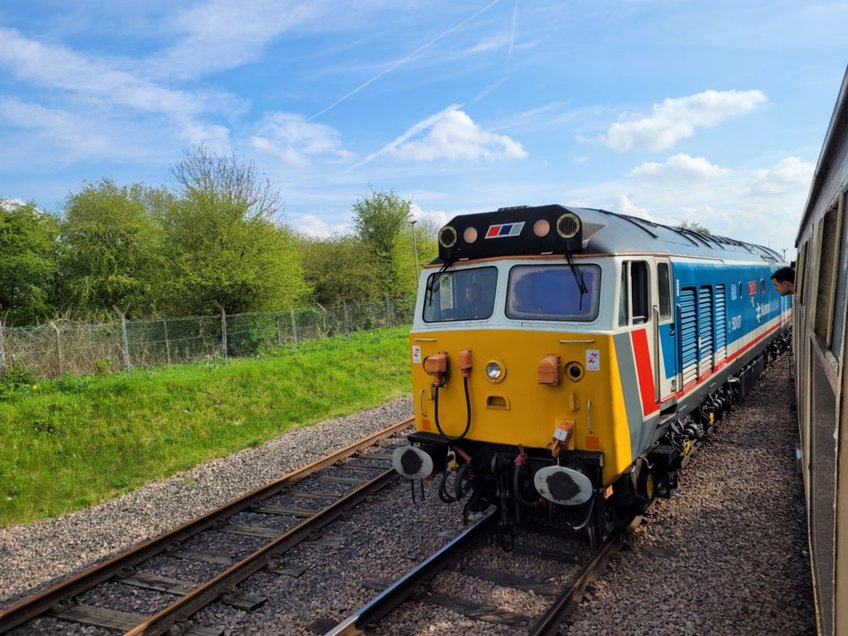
[(76, 441)]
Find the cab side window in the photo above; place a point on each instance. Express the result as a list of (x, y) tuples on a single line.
[(639, 285), (634, 300), (664, 286)]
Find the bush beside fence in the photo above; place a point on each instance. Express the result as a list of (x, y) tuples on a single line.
[(63, 347)]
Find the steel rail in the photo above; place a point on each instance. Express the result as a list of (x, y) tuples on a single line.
[(408, 584), (181, 610), (58, 595), (568, 600)]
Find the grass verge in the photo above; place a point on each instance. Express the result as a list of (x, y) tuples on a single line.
[(76, 441)]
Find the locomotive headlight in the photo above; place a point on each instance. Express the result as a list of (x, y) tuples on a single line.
[(469, 235), (447, 237), (542, 228), (568, 225), (495, 370)]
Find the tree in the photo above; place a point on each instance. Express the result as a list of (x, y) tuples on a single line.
[(424, 244), (221, 242), (379, 219), (340, 270), (111, 249), (28, 265)]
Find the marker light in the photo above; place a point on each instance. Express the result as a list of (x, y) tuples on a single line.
[(568, 225), (447, 237), (541, 228), (495, 371), (470, 234)]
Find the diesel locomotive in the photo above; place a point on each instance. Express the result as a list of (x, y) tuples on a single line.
[(565, 360)]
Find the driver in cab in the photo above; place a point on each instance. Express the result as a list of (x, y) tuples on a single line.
[(474, 306)]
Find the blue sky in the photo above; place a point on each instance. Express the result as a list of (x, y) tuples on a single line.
[(668, 109)]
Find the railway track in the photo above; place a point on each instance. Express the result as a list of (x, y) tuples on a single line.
[(289, 511), (420, 585)]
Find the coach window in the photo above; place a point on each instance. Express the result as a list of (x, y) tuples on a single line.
[(827, 274), (801, 276), (841, 293), (634, 299)]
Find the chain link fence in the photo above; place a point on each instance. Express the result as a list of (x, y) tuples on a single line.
[(62, 347)]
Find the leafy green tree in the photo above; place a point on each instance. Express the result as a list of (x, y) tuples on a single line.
[(28, 265), (221, 242), (423, 245), (340, 270), (111, 249), (379, 220)]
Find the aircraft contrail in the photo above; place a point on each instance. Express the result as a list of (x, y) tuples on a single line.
[(404, 60)]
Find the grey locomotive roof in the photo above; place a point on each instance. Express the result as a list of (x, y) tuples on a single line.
[(611, 233)]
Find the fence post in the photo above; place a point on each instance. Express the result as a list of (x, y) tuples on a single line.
[(223, 329), (279, 324), (2, 350), (294, 328), (58, 347), (124, 338), (389, 321), (347, 321), (167, 344), (321, 326)]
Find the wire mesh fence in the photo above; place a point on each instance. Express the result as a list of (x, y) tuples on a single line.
[(64, 347)]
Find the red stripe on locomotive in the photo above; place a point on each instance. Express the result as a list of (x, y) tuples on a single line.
[(644, 370)]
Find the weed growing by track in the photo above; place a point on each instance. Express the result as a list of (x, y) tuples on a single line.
[(72, 442)]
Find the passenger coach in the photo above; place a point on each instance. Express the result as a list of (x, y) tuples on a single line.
[(821, 383)]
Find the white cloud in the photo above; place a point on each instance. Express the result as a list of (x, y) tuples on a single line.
[(294, 139), (198, 133), (450, 134), (60, 128), (314, 226), (11, 204), (677, 118), (623, 204), (98, 92), (224, 34), (454, 135), (96, 81), (435, 218), (760, 206), (679, 165), (787, 174)]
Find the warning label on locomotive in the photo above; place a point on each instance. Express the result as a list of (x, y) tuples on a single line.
[(593, 359), (416, 353)]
